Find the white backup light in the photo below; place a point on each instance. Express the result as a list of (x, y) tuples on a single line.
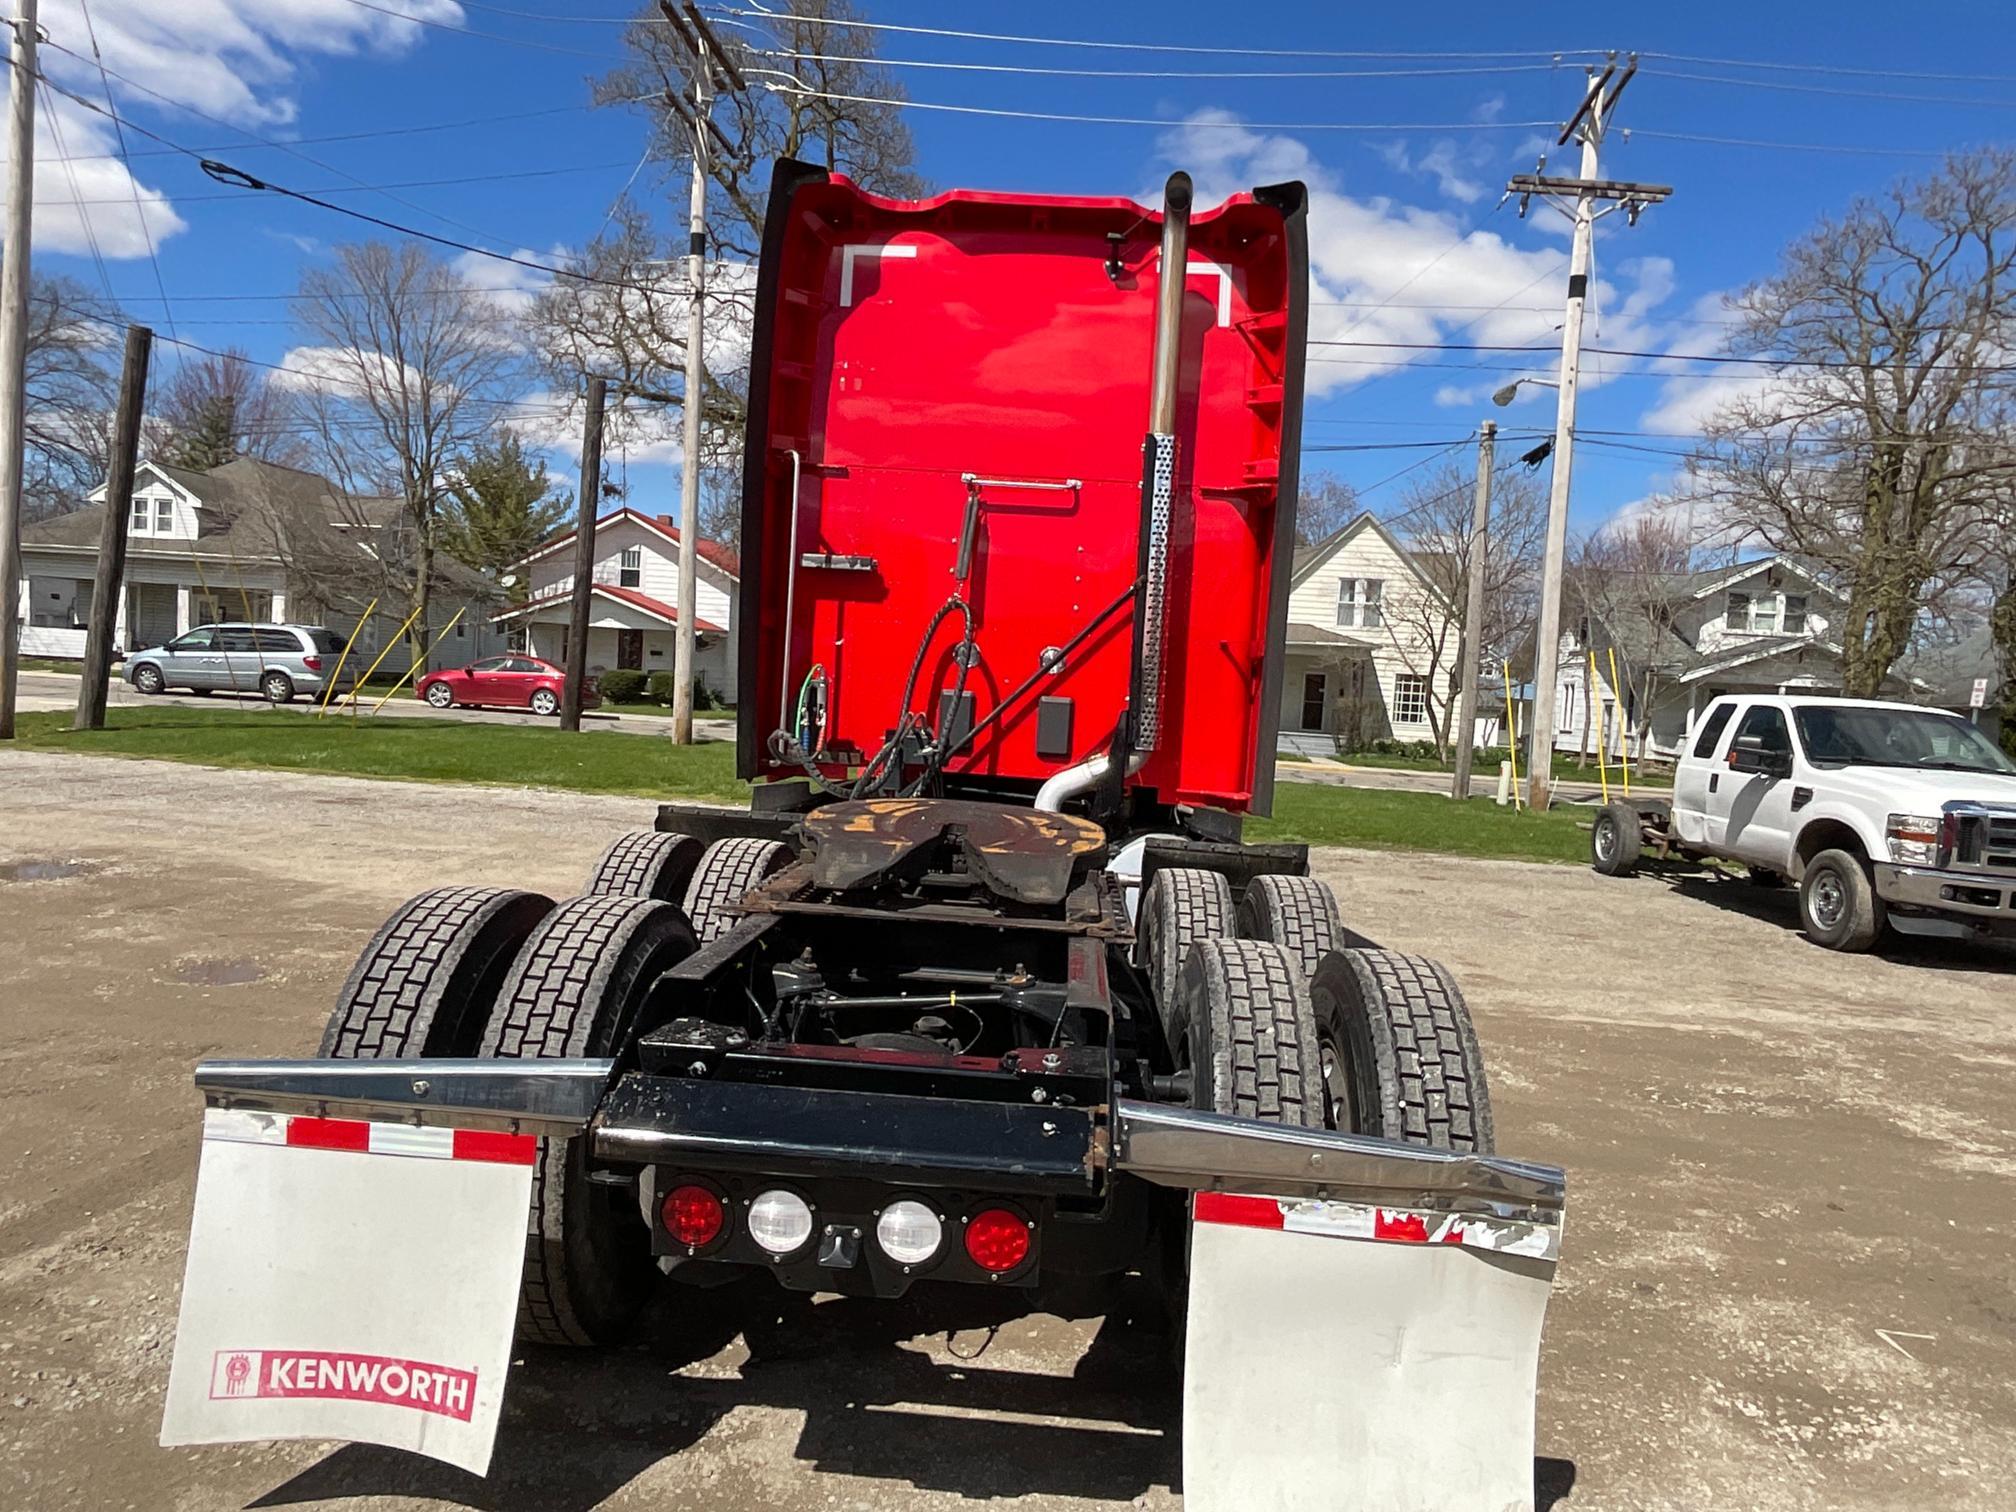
[(909, 1232), (780, 1221)]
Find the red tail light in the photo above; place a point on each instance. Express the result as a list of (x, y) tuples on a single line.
[(997, 1239), (692, 1215), (312, 663)]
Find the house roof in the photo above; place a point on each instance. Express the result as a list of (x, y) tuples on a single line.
[(1767, 647), (1300, 634), (1949, 671), (1309, 558), (721, 556), (254, 510), (1713, 580), (643, 602)]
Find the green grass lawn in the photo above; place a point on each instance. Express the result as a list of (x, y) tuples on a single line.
[(417, 749), (1565, 767), (431, 750), (1382, 820)]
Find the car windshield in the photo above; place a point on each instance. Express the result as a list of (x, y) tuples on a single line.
[(1852, 734)]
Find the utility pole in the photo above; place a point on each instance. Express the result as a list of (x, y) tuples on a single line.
[(14, 346), (1588, 192), (105, 585), (711, 69), (590, 502), (1469, 658)]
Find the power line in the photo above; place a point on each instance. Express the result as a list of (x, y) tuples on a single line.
[(437, 183), (470, 31), (76, 194), (1632, 132), (361, 136), (132, 184), (1709, 357), (1831, 68), (1150, 73), (111, 113), (760, 14), (224, 173), (1162, 122), (1787, 87)]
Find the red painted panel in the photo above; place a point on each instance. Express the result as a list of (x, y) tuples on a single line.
[(912, 343)]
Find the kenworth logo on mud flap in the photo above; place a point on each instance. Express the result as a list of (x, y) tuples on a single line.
[(252, 1373)]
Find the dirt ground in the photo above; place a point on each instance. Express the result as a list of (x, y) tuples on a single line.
[(1787, 1281)]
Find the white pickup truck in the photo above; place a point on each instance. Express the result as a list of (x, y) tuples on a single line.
[(1882, 814)]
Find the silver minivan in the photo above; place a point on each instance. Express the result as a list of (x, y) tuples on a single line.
[(274, 661)]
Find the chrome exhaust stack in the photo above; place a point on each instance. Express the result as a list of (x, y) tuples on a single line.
[(1158, 474)]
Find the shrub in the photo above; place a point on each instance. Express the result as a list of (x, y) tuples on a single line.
[(705, 697), (623, 685), (659, 688)]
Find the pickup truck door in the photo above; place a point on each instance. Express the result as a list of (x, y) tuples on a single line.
[(1696, 769), (1755, 808)]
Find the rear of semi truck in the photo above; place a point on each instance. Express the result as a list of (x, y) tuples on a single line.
[(984, 989)]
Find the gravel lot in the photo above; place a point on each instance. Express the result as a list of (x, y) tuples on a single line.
[(1787, 1281)]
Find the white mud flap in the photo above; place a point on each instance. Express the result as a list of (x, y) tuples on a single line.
[(350, 1280), (1343, 1356)]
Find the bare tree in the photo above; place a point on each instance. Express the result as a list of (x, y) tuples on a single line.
[(1327, 504), (1882, 452), (70, 356), (625, 315), (1628, 583), (409, 377), (1425, 626), (220, 405)]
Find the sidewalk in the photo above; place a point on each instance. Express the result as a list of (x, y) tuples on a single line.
[(1483, 784)]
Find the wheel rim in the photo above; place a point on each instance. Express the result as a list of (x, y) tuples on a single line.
[(1829, 900), (149, 680), (438, 696), (1338, 1112), (277, 688), (543, 703), (1606, 838)]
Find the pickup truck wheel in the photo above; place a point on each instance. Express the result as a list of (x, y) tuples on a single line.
[(1297, 913), (1182, 906), (576, 989), (728, 872), (646, 864), (1399, 1055), (1838, 905), (1244, 1027), (1615, 839), (424, 984)]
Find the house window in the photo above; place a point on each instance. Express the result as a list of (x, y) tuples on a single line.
[(139, 522), (1410, 699), (164, 516), (1314, 685), (630, 568), (1361, 603), (1564, 705), (1795, 614), (1739, 612)]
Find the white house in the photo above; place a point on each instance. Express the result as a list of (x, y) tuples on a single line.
[(633, 621), (1758, 627), (1371, 644), (232, 543)]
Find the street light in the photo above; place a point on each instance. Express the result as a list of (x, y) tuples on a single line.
[(1507, 394)]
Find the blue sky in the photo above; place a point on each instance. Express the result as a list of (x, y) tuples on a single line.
[(1410, 242)]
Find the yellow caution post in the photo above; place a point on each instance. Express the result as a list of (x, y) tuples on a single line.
[(329, 688), (403, 624), (1512, 735), (416, 660), (1602, 752), (1624, 733)]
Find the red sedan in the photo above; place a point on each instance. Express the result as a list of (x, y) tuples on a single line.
[(503, 682)]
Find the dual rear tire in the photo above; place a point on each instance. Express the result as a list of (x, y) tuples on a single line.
[(504, 974), (1294, 1019)]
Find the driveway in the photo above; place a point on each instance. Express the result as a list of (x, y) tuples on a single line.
[(1786, 1285)]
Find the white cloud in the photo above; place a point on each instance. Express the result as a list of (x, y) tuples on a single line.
[(237, 60), (339, 372), (1375, 262)]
